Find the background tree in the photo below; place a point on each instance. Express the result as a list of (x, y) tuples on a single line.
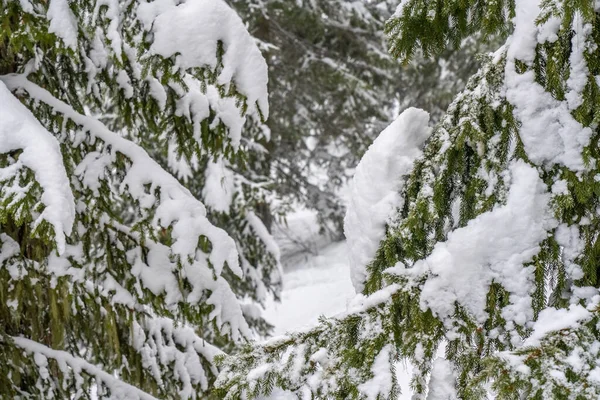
[(114, 277), (479, 235), (334, 86)]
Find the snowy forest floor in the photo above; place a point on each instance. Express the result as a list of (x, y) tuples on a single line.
[(316, 281)]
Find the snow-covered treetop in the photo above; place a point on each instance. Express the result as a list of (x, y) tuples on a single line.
[(86, 213)]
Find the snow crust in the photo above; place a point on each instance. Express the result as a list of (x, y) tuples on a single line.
[(19, 129), (376, 186), (191, 30)]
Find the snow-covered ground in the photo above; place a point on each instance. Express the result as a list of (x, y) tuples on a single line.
[(319, 285), (316, 281)]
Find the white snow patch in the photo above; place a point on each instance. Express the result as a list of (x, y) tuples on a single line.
[(219, 187), (549, 132), (382, 381), (119, 389), (552, 319), (63, 22), (442, 383), (261, 231)]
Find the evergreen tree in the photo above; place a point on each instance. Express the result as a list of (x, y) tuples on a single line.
[(478, 236), (115, 280), (335, 87)]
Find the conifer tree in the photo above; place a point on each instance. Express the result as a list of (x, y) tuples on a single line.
[(336, 87), (477, 237), (116, 281)]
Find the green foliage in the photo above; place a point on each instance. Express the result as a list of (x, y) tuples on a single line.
[(430, 26), (148, 287)]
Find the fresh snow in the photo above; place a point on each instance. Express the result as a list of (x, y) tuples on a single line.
[(442, 382), (383, 379), (62, 22), (176, 207), (69, 364), (552, 319), (320, 285), (219, 186), (376, 186)]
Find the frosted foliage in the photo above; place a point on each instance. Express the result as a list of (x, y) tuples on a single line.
[(181, 348), (69, 364), (492, 247), (548, 127), (94, 222), (19, 130), (175, 206), (377, 184), (189, 31), (492, 236)]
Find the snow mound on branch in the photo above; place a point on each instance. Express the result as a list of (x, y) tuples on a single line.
[(69, 364), (552, 319), (62, 22), (219, 188), (549, 132), (376, 186), (492, 248), (382, 380), (20, 130), (192, 29)]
